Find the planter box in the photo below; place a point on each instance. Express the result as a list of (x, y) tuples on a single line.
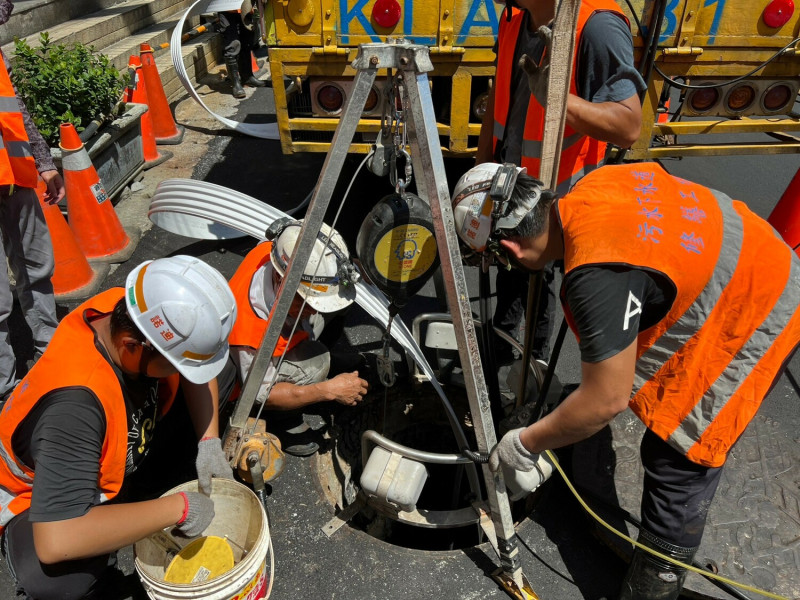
[(116, 150)]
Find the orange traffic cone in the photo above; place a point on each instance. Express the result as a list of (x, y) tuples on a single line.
[(164, 127), (254, 63), (92, 218), (785, 217), (74, 278), (138, 93)]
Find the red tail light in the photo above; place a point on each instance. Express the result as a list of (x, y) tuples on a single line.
[(330, 97)]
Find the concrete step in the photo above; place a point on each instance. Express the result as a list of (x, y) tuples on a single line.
[(119, 30), (108, 26)]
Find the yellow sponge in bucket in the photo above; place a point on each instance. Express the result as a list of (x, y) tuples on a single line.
[(203, 559)]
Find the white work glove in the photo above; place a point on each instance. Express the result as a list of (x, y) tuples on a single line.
[(523, 471), (211, 462), (539, 74)]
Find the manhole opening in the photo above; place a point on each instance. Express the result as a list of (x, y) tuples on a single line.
[(411, 416)]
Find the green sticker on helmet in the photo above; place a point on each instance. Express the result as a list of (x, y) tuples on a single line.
[(131, 297)]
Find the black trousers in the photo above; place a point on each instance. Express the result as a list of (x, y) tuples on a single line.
[(68, 580), (512, 298), (238, 41), (676, 494)]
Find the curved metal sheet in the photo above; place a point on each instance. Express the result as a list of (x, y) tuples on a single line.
[(267, 131)]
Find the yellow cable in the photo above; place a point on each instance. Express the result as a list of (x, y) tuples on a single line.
[(702, 572)]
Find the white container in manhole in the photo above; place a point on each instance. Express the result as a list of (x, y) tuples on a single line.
[(393, 478)]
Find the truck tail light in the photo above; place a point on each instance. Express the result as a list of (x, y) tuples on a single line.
[(372, 100), (777, 97), (740, 98), (778, 12), (701, 101), (754, 97), (330, 98)]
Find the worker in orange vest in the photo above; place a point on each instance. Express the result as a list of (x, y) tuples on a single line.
[(675, 315), (298, 375), (24, 156), (603, 107), (81, 422)]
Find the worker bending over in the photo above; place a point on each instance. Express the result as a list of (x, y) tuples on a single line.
[(603, 107), (84, 417), (298, 374), (676, 315)]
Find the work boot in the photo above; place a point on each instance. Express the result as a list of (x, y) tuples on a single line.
[(652, 578), (231, 64), (252, 81), (298, 441)]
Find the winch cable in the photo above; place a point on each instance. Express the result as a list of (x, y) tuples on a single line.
[(303, 305), (699, 571)]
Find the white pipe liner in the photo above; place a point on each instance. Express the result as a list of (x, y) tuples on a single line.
[(267, 131)]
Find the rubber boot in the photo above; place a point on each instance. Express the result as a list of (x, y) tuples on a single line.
[(231, 64), (652, 578), (246, 69)]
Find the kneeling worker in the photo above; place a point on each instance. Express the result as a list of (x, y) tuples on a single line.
[(83, 418), (665, 287), (301, 377)]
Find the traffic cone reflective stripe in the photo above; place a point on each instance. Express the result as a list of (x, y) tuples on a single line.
[(92, 217), (73, 277), (164, 127), (137, 93), (785, 217)]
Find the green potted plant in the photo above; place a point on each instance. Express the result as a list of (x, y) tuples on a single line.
[(73, 84)]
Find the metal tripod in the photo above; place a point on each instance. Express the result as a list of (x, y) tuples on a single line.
[(413, 62)]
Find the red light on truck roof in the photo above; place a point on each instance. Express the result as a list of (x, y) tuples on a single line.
[(778, 12), (386, 13)]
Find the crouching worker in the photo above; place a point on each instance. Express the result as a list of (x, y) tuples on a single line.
[(83, 418), (676, 316), (298, 374)]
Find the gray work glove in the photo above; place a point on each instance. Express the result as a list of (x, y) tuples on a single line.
[(539, 74), (211, 462), (523, 471), (199, 514)]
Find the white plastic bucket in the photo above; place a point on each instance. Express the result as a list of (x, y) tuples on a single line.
[(239, 516)]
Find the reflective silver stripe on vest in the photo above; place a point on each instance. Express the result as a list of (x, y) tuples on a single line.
[(715, 398), (690, 322), (9, 104), (498, 131), (533, 148), (566, 185), (19, 149), (13, 466), (5, 500)]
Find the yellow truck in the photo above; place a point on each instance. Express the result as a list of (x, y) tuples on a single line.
[(741, 62), (315, 41), (739, 58)]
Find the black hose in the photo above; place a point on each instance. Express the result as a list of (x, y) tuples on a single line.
[(480, 458)]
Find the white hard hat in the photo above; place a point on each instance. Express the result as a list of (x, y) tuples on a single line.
[(328, 280), (481, 203), (185, 308)]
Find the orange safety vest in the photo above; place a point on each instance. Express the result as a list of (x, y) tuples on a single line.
[(580, 153), (249, 328), (70, 361), (704, 369), (17, 165)]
